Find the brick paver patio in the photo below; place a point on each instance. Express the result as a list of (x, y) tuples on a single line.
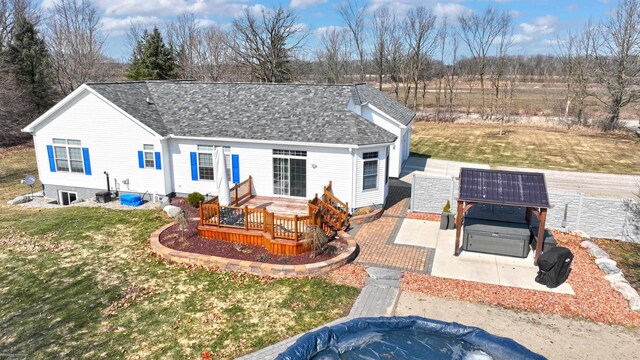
[(376, 238)]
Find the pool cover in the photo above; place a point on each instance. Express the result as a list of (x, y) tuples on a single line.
[(404, 338)]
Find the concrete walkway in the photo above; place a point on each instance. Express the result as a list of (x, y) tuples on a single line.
[(604, 185), (378, 298)]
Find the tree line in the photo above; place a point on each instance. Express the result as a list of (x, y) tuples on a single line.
[(47, 53)]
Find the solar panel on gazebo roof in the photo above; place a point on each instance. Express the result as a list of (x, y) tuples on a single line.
[(503, 187)]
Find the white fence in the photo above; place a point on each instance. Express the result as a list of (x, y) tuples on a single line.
[(598, 217)]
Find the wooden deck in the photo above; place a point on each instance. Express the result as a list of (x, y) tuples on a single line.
[(279, 206), (278, 224)]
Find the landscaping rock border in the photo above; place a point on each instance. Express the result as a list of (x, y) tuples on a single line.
[(366, 218), (253, 267), (613, 274)]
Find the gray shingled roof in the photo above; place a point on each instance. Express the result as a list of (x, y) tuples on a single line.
[(281, 112), (382, 101)]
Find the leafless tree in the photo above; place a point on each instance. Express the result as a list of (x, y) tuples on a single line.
[(504, 42), (479, 32), (451, 73), (443, 31), (75, 42), (184, 36), (575, 52), (266, 43), (333, 55), (396, 56), (419, 33), (213, 54), (380, 29), (617, 59), (352, 13)]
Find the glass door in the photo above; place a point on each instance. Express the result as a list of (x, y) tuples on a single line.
[(298, 170), (281, 176), (289, 176)]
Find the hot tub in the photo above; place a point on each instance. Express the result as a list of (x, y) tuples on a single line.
[(404, 338)]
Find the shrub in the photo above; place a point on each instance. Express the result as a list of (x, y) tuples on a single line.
[(316, 238), (195, 198), (364, 211), (447, 207)]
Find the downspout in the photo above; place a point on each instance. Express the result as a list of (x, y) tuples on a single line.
[(354, 180)]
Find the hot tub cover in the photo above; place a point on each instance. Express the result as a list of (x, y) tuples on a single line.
[(330, 339)]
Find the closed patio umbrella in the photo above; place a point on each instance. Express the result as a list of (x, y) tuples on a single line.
[(222, 182)]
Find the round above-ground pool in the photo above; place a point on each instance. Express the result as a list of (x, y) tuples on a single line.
[(404, 338)]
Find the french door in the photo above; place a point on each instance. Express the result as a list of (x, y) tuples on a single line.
[(290, 176)]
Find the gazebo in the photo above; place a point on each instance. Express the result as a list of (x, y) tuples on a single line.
[(509, 188)]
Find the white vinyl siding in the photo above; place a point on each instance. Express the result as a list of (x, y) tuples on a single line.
[(113, 141), (375, 196), (399, 151)]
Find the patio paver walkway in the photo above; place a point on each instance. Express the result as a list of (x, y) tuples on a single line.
[(376, 239)]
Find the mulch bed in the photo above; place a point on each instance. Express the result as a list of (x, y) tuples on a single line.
[(349, 274), (423, 216), (172, 238), (594, 298)]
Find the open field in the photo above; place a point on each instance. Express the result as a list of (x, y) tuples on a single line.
[(82, 282), (531, 99), (526, 146)]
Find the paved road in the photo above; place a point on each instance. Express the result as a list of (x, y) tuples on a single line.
[(591, 184)]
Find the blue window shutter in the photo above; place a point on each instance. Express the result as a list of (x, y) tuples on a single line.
[(235, 168), (87, 161), (140, 160), (52, 161), (158, 161), (194, 166)]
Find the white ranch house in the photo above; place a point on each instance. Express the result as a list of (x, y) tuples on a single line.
[(157, 137)]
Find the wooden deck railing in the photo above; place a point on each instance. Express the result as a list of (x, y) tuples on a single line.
[(237, 193), (330, 215)]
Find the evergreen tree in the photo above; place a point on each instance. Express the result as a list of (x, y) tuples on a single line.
[(31, 66), (152, 59)]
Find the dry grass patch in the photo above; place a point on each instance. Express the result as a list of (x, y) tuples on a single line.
[(526, 146), (80, 281)]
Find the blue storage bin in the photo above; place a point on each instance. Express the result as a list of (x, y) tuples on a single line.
[(130, 199)]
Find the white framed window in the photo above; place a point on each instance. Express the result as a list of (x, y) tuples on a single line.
[(67, 197), (68, 155), (149, 156), (205, 162), (370, 171)]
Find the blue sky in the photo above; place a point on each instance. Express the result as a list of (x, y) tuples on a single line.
[(536, 23)]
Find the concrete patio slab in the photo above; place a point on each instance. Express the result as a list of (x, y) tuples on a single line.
[(418, 233), (524, 277), (485, 268)]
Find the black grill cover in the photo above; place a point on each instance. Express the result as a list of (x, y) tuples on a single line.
[(554, 266)]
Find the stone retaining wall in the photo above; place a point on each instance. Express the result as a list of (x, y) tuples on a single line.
[(253, 267)]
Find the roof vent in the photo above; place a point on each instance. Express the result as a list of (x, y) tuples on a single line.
[(149, 101)]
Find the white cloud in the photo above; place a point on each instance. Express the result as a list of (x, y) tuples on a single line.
[(540, 26), (450, 11), (324, 29), (119, 26), (161, 8), (520, 39), (302, 4)]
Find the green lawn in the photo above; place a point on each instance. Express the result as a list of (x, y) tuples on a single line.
[(526, 146), (82, 282)]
